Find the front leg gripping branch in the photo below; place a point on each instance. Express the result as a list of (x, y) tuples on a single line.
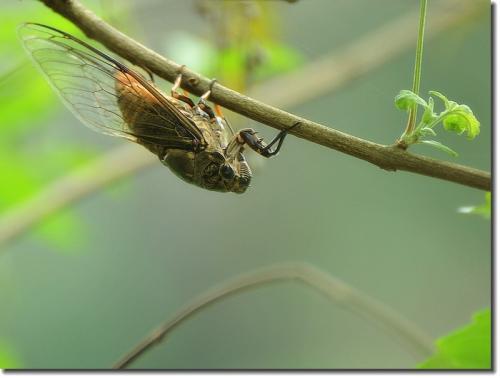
[(249, 137)]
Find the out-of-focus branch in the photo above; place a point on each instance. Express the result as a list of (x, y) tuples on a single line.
[(326, 74), (390, 158), (344, 65), (120, 162), (334, 289)]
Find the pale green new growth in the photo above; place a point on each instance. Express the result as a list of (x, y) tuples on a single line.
[(455, 117)]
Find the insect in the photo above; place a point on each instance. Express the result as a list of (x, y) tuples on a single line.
[(197, 144)]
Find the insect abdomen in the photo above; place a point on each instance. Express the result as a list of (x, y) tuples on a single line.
[(142, 113)]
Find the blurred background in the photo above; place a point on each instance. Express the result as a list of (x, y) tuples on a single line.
[(81, 287)]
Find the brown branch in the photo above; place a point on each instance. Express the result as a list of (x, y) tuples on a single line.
[(387, 157), (334, 289), (327, 74)]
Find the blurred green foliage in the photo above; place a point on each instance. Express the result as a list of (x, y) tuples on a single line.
[(27, 162), (231, 64), (466, 348), (8, 360), (242, 48), (16, 96), (483, 210)]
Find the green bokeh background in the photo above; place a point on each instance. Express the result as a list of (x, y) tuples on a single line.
[(121, 262)]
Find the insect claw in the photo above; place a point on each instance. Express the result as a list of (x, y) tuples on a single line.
[(207, 94), (178, 79), (177, 83), (292, 127), (181, 69), (211, 85), (150, 73)]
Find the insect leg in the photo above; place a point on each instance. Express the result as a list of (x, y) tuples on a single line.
[(215, 115), (202, 103), (250, 138), (177, 95), (150, 73)]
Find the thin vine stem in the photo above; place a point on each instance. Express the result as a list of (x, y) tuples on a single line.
[(417, 72)]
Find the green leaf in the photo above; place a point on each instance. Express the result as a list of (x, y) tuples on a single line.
[(462, 119), (406, 99), (429, 116), (484, 209), (439, 146), (458, 118), (466, 348), (442, 97), (426, 131)]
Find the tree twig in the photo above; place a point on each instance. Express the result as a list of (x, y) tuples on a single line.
[(390, 158), (334, 289), (336, 70)]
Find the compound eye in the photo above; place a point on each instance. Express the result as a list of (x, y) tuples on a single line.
[(226, 172)]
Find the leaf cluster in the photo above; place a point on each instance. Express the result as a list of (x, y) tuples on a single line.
[(457, 118)]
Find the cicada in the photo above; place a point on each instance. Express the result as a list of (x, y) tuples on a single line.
[(191, 139)]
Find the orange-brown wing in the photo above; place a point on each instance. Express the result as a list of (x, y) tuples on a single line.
[(104, 94), (135, 103)]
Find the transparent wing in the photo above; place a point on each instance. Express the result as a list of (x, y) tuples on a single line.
[(104, 94)]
